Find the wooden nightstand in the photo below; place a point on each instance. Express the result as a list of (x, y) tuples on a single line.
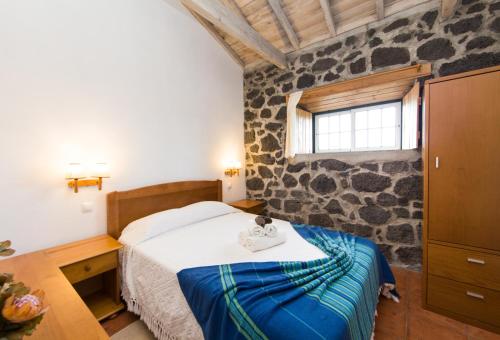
[(249, 206), (91, 266)]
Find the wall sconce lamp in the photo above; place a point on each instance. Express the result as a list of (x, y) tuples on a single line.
[(76, 174), (233, 169)]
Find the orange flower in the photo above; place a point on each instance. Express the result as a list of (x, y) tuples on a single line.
[(24, 308)]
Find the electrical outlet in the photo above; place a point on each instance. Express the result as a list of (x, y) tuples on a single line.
[(87, 207)]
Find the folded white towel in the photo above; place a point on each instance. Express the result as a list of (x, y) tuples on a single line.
[(256, 243), (256, 230), (270, 230)]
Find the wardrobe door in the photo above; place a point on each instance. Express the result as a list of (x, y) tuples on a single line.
[(464, 161)]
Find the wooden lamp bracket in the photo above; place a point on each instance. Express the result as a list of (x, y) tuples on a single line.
[(75, 183), (232, 172)]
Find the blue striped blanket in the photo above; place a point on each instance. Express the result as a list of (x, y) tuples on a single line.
[(330, 298)]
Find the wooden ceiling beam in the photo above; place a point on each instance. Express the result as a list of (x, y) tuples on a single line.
[(231, 23), (231, 4), (284, 22), (327, 12), (380, 9), (448, 8), (213, 32)]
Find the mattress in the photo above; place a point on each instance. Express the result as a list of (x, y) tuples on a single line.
[(149, 269)]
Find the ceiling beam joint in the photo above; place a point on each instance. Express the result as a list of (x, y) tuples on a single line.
[(231, 23), (327, 12), (380, 9), (284, 22)]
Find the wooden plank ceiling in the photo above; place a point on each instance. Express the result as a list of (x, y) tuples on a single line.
[(258, 31), (375, 88), (373, 94)]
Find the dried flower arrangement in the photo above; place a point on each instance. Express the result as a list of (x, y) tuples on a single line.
[(5, 249), (21, 310)]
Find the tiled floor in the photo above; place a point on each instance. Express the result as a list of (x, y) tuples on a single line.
[(408, 320), (396, 321)]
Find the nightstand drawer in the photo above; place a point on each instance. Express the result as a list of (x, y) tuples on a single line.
[(480, 269), (475, 302), (255, 210), (82, 270)]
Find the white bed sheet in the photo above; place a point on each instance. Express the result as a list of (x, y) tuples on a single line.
[(150, 284)]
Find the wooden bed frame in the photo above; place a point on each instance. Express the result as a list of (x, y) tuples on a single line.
[(127, 206)]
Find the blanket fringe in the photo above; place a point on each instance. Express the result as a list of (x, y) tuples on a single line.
[(155, 326)]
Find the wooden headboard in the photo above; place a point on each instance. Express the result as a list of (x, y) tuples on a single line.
[(127, 206)]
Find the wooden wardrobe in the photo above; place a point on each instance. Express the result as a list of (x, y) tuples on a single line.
[(461, 234)]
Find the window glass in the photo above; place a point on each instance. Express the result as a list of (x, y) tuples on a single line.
[(323, 125), (323, 142), (361, 120), (376, 127)]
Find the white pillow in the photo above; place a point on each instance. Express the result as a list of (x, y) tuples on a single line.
[(163, 221)]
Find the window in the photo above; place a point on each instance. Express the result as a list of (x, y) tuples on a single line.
[(375, 127)]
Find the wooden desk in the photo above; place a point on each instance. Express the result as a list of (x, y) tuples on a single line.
[(68, 317)]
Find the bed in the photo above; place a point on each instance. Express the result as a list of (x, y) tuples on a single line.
[(187, 277)]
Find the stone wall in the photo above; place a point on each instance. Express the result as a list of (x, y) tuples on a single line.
[(379, 199)]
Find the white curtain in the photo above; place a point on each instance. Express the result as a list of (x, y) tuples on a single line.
[(303, 131), (409, 135), (298, 128)]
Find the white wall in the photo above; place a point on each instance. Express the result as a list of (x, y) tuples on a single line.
[(136, 83)]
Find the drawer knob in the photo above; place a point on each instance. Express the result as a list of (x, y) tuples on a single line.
[(475, 295), (476, 261), (87, 268)]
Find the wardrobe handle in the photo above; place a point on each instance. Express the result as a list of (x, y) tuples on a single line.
[(437, 162), (475, 295), (473, 260)]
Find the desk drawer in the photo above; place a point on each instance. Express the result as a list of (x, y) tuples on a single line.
[(467, 266), (475, 302), (85, 269)]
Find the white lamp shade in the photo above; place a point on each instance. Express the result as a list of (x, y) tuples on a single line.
[(100, 170), (74, 171), (233, 165)]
